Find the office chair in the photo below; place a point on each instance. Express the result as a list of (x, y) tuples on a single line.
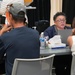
[(41, 25), (73, 64), (39, 66)]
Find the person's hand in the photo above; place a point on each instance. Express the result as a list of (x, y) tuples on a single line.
[(5, 29)]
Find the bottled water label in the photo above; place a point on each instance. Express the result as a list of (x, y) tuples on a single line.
[(42, 43)]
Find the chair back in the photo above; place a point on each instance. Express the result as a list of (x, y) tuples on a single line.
[(39, 66), (73, 65)]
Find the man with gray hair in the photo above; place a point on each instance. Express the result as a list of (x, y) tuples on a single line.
[(21, 41)]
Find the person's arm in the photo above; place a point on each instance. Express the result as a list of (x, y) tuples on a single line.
[(46, 33), (5, 29), (50, 32), (69, 40)]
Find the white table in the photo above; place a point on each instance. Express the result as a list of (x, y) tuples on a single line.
[(62, 51)]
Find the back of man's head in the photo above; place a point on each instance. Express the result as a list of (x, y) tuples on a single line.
[(18, 12)]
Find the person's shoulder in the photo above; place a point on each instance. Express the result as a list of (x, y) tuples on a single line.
[(70, 37), (51, 27), (6, 34), (32, 30)]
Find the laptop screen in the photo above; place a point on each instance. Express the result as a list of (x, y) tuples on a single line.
[(64, 35)]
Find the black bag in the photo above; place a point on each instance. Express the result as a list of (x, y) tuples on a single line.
[(41, 25)]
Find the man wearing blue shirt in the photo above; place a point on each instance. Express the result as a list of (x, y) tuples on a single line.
[(19, 42)]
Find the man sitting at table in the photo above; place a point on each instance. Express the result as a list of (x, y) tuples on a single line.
[(61, 63), (21, 41)]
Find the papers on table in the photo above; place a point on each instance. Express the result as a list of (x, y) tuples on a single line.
[(55, 42)]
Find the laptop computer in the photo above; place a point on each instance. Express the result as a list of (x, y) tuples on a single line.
[(64, 35)]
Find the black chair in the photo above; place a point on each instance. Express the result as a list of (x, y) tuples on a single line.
[(41, 25)]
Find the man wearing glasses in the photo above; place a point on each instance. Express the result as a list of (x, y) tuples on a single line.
[(61, 63), (59, 24)]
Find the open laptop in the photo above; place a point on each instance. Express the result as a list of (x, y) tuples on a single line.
[(64, 35)]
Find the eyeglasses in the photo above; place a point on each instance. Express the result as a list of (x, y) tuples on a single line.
[(61, 20)]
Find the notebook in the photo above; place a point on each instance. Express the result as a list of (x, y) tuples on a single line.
[(64, 35)]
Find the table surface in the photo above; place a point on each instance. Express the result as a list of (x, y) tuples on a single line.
[(61, 51)]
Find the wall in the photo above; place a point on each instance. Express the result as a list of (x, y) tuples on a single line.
[(56, 6)]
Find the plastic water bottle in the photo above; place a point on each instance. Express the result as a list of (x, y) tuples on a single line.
[(42, 41)]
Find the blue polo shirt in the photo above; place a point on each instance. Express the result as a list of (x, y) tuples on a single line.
[(52, 31)]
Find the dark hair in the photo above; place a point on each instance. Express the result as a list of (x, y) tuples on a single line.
[(73, 23), (20, 17), (58, 14)]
